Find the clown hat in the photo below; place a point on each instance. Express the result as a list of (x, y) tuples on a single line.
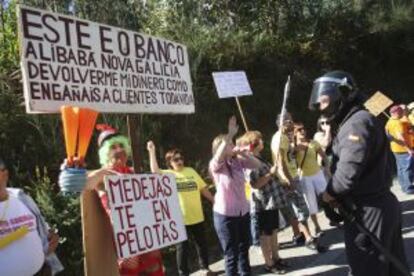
[(107, 132)]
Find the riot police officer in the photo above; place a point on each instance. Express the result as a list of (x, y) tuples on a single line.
[(361, 177)]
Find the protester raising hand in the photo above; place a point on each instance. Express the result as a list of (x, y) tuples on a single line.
[(190, 186), (231, 209), (233, 127)]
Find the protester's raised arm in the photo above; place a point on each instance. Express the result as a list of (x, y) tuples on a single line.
[(152, 157), (249, 160), (232, 130)]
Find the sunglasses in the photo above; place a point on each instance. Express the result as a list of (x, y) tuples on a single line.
[(176, 159)]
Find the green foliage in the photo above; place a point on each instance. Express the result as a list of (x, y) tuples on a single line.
[(269, 39)]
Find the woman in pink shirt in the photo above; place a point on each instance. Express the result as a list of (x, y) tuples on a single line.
[(231, 208)]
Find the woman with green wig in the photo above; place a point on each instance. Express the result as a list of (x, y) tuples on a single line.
[(114, 152)]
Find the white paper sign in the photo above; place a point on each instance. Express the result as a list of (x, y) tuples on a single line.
[(70, 61), (232, 84), (145, 212)]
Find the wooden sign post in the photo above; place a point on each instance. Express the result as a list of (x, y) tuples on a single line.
[(74, 62), (233, 84)]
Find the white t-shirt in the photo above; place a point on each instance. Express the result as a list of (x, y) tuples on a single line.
[(24, 256)]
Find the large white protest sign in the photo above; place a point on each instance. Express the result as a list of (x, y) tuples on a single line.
[(145, 212), (232, 84), (70, 61)]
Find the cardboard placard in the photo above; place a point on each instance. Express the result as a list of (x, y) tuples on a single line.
[(378, 103), (232, 84), (70, 61), (145, 212), (100, 256)]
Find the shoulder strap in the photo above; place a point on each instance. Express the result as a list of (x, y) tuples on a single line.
[(304, 157)]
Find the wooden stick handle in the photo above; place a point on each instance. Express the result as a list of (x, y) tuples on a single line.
[(385, 113), (242, 114)]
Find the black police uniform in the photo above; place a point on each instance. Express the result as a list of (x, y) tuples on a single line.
[(361, 175)]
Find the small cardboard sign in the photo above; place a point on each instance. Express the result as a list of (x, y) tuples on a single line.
[(378, 103), (145, 212), (232, 84)]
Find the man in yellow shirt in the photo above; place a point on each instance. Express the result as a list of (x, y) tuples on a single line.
[(398, 135), (284, 155)]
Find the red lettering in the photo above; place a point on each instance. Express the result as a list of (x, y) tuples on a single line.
[(165, 208), (173, 228), (140, 248), (131, 241), (153, 195), (167, 185), (136, 188), (127, 189), (113, 185), (121, 219), (121, 240), (149, 242), (157, 211), (165, 235), (144, 188), (130, 215), (157, 231)]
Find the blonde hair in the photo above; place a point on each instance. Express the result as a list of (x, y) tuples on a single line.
[(250, 137), (217, 142)]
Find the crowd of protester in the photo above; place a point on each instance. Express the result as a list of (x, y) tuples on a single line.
[(252, 194)]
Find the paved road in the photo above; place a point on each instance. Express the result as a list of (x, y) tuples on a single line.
[(333, 262)]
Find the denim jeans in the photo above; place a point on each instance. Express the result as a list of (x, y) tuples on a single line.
[(254, 229), (405, 167), (233, 234)]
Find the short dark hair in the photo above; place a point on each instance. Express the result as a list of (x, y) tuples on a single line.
[(170, 154)]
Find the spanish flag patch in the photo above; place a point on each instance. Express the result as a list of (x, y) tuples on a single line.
[(354, 138)]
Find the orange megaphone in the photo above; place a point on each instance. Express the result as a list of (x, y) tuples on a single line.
[(78, 124), (70, 121), (87, 119)]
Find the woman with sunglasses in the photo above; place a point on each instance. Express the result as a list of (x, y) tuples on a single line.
[(190, 186), (313, 182), (323, 134)]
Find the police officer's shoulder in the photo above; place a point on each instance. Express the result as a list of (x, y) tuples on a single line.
[(363, 117), (359, 125)]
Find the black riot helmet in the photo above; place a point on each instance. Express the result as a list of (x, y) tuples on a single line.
[(339, 86)]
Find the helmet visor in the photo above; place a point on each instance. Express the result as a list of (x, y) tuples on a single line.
[(324, 87)]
